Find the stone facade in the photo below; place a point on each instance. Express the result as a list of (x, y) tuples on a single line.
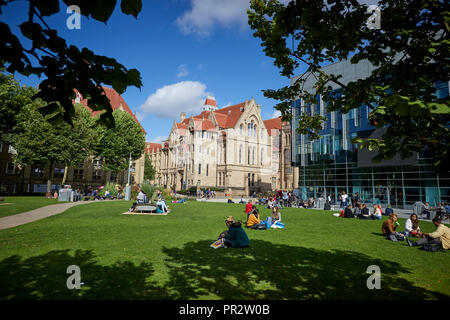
[(230, 148)]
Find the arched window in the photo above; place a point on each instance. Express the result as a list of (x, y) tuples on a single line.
[(240, 154), (241, 129), (262, 154), (254, 131), (253, 155)]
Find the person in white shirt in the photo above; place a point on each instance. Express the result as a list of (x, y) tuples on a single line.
[(377, 212), (412, 228), (141, 197), (161, 204), (344, 199)]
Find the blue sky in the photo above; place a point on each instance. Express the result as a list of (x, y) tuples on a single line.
[(184, 49)]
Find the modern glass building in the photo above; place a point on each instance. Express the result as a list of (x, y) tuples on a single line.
[(333, 164)]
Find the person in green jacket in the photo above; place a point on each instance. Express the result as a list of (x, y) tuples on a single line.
[(236, 236)]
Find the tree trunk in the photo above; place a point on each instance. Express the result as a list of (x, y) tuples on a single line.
[(49, 180), (66, 168)]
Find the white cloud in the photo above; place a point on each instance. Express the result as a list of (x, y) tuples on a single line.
[(276, 114), (169, 101), (182, 71), (159, 139), (205, 14)]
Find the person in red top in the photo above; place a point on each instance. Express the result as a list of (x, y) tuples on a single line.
[(248, 207)]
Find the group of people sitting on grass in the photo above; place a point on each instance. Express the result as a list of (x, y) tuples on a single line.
[(361, 211), (440, 239), (142, 198), (254, 220)]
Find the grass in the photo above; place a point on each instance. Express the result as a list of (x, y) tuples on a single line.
[(15, 205), (317, 256)]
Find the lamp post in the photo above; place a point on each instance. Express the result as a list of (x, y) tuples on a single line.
[(128, 187)]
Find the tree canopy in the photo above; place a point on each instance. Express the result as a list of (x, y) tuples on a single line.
[(66, 67), (410, 50), (116, 144)]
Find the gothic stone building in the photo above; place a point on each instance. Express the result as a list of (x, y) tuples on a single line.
[(231, 148)]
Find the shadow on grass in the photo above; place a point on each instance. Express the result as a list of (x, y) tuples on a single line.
[(45, 277), (276, 271), (262, 271)]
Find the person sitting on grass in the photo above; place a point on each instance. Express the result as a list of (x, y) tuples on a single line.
[(274, 220), (389, 228), (412, 228), (388, 211), (377, 214), (365, 214), (235, 236), (348, 213), (276, 215), (141, 197), (440, 237), (253, 219), (161, 206), (248, 207)]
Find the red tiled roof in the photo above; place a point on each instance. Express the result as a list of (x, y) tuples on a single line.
[(221, 119), (233, 113), (210, 102), (115, 100), (182, 128), (151, 147), (273, 124), (204, 125)]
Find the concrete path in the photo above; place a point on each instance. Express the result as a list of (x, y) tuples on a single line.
[(37, 214)]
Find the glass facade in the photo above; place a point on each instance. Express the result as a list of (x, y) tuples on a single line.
[(330, 165)]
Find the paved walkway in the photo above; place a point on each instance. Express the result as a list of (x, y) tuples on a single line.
[(37, 214)]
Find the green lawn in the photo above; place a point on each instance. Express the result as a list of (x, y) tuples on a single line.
[(14, 205), (317, 256)]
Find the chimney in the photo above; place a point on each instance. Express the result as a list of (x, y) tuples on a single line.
[(182, 116)]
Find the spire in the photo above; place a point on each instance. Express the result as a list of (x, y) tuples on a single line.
[(210, 104)]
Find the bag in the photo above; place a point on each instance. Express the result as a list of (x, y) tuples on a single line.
[(327, 206), (259, 226), (217, 244), (396, 237), (431, 247)]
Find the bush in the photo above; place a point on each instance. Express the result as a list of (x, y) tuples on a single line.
[(148, 189)]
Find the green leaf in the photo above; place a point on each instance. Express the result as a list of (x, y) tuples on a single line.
[(134, 78), (132, 7), (47, 7), (104, 10), (30, 29), (49, 109), (439, 108)]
